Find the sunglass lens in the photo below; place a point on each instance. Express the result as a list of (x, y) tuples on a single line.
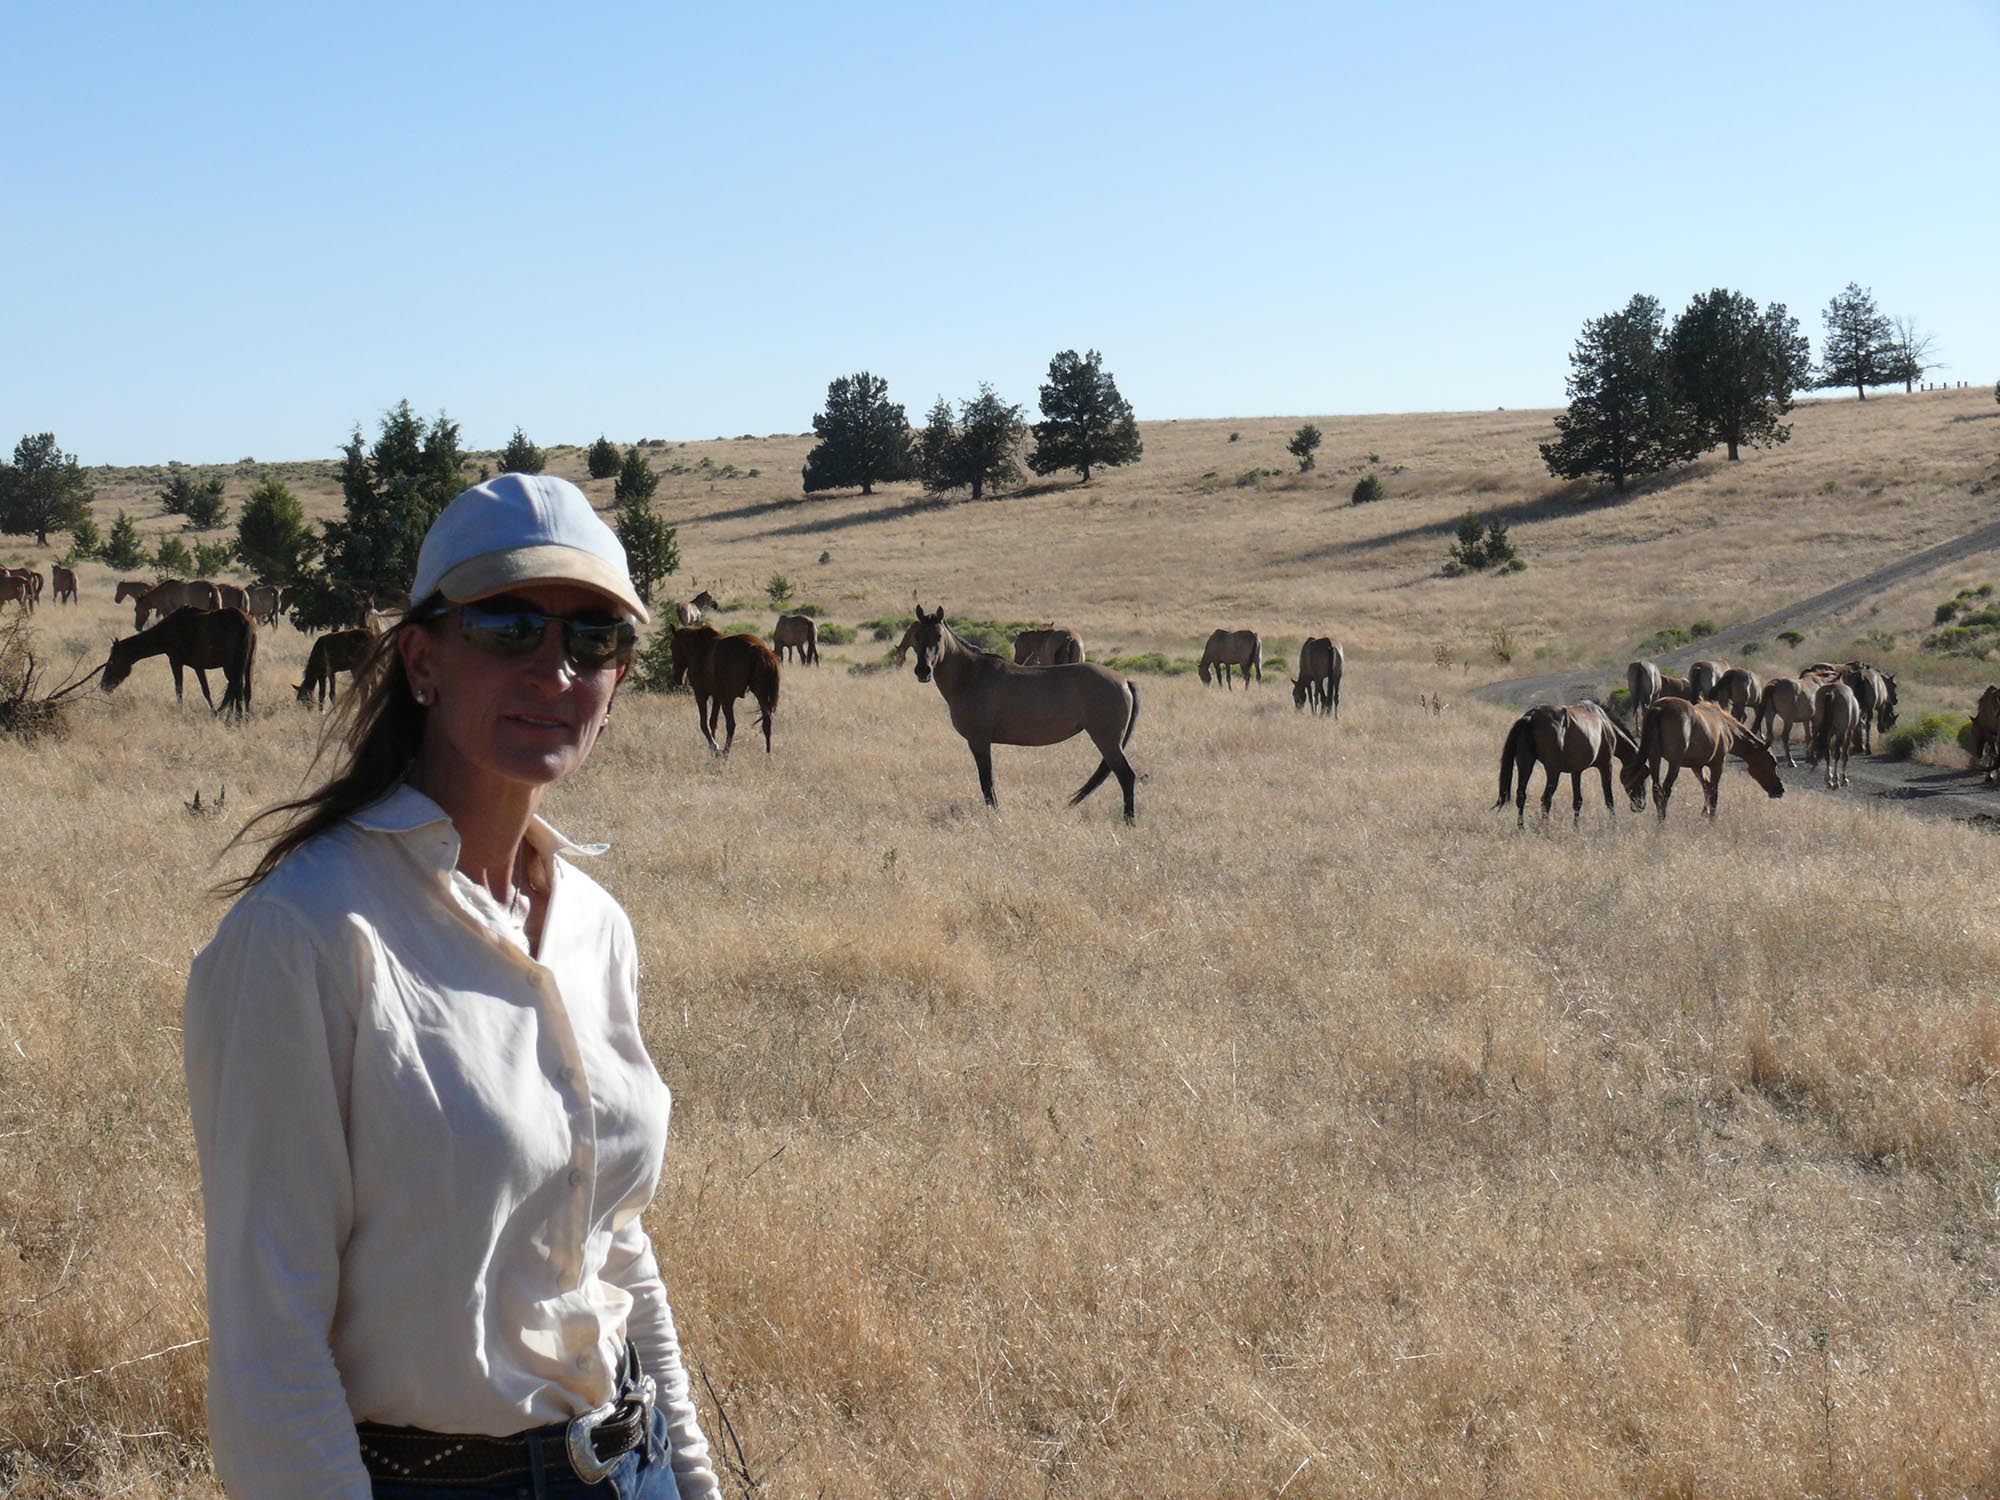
[(599, 643), (502, 632)]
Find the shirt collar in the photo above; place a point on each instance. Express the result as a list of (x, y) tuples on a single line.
[(406, 810)]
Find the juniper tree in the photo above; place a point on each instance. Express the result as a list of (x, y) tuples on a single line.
[(1860, 347), (864, 437), (521, 456), (603, 459), (42, 490), (636, 479), (273, 538), (1085, 423), (1304, 446), (1624, 419), (1736, 369), (122, 548), (652, 547)]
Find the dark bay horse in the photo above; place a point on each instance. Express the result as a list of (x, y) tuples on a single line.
[(1228, 650), (336, 651), (1566, 740), (1318, 683), (993, 702), (798, 634), (1699, 736), (197, 638), (722, 668), (1047, 646)]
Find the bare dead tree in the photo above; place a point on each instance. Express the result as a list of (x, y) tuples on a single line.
[(1912, 349)]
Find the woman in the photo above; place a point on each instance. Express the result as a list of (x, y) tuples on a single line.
[(426, 1121)]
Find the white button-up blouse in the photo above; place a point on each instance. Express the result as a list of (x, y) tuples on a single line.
[(424, 1154)]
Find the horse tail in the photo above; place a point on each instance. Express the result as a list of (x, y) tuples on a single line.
[(1517, 742), (764, 681), (1131, 719)]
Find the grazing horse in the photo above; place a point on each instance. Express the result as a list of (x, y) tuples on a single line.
[(1788, 699), (1228, 649), (1739, 691), (1702, 678), (1672, 687), (1642, 686), (130, 588), (1876, 692), (197, 638), (261, 603), (65, 583), (798, 634), (164, 598), (1318, 683), (337, 651), (993, 702), (1566, 740), (1700, 736), (1049, 646), (721, 669), (687, 614), (1837, 723)]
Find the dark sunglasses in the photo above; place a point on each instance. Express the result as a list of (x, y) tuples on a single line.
[(591, 641)]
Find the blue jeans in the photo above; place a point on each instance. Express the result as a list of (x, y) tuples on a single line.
[(646, 1473)]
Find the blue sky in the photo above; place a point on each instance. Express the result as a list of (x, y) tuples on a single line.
[(242, 229)]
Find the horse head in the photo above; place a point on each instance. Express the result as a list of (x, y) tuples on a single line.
[(1299, 694), (116, 668), (927, 636)]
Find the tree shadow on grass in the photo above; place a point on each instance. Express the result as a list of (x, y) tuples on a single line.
[(819, 525), (1559, 500)]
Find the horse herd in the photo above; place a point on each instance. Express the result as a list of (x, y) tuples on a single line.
[(1697, 723)]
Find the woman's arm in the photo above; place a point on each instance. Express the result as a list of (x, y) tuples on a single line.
[(650, 1325), (268, 1060)]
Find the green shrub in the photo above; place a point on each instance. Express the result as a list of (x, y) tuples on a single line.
[(1702, 629), (1152, 662), (1751, 648), (1945, 611), (810, 611), (831, 634), (1792, 638), (173, 560), (1930, 730), (1366, 489), (653, 667)]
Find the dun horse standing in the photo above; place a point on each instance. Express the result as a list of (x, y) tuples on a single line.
[(1568, 739), (993, 702), (722, 668), (197, 638), (798, 634), (1699, 736)]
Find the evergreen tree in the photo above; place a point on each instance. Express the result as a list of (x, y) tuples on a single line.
[(1860, 348), (977, 450), (84, 541), (173, 560), (1737, 369), (122, 549), (603, 459), (636, 479), (42, 490), (1304, 446), (1085, 423), (864, 438), (521, 456), (273, 538), (198, 501), (1624, 419), (937, 448), (652, 547)]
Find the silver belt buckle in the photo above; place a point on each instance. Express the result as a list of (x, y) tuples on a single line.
[(582, 1451)]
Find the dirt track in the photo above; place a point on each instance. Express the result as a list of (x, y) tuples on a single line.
[(1915, 788)]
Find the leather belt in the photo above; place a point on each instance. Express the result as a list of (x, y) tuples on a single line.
[(591, 1443)]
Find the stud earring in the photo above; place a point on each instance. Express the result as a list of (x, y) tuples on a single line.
[(423, 697)]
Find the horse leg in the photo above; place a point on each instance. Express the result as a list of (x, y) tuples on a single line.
[(1663, 790), (764, 712), (1551, 779), (1604, 770), (704, 715), (1576, 799), (729, 718), (982, 757), (201, 676), (1096, 780)]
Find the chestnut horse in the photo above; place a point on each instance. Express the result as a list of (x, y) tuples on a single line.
[(1227, 649), (197, 638), (993, 702), (1049, 646), (1318, 683), (64, 580), (1700, 736), (1739, 691), (721, 669), (164, 598), (1642, 686), (336, 651), (798, 634), (1986, 730), (1568, 739), (1788, 699), (1837, 724)]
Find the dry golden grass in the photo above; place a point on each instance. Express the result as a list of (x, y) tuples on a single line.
[(1317, 1134)]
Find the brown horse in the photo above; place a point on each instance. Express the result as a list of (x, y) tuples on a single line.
[(1566, 740), (164, 598), (1739, 691), (337, 651), (1227, 649), (721, 669), (232, 596), (1671, 687), (703, 600), (1837, 724), (31, 586), (1986, 730), (1700, 736), (798, 634), (15, 591), (262, 603), (1642, 686), (64, 580), (1318, 683), (994, 702), (197, 638), (1050, 646), (130, 588), (1786, 699), (1702, 678)]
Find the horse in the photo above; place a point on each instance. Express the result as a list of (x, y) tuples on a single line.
[(337, 651), (1318, 683), (30, 582), (1837, 723), (15, 591), (798, 634), (1672, 687), (1568, 739), (1702, 678), (164, 598), (1789, 699), (1876, 692), (994, 702), (687, 614), (1701, 736), (197, 638), (1049, 646), (721, 669), (1642, 686), (261, 603), (1739, 691), (130, 588), (64, 580), (380, 621), (1232, 648), (232, 596)]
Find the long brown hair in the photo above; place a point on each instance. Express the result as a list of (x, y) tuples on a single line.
[(381, 724)]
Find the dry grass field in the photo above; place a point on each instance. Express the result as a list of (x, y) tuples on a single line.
[(1317, 1135)]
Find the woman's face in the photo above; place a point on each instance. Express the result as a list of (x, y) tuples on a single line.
[(528, 719)]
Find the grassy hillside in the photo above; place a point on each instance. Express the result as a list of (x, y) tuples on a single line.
[(1317, 1134)]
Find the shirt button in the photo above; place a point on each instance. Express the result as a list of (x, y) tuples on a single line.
[(583, 1361), (568, 1074), (575, 1177)]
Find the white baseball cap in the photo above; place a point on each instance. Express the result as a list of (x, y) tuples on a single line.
[(522, 528)]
